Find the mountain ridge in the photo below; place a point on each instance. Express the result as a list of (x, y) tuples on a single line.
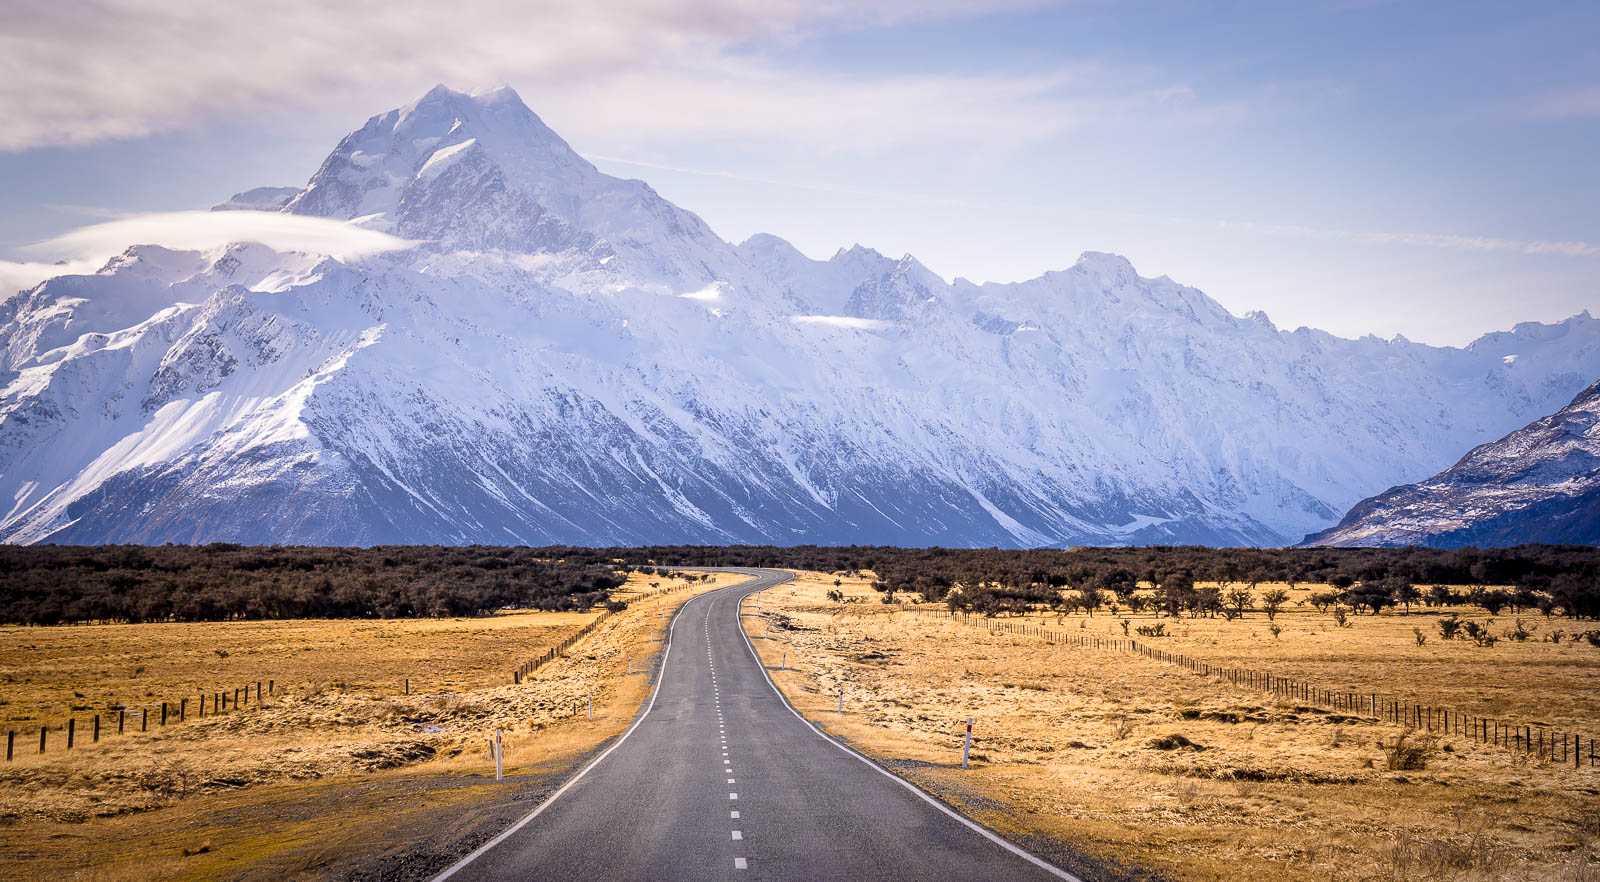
[(1540, 483), (559, 356)]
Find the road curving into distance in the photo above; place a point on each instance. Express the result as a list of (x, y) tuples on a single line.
[(719, 778)]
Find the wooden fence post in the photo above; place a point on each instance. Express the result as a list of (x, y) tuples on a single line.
[(97, 728), (72, 729), (11, 743), (183, 709), (42, 730), (144, 720), (122, 714), (163, 713)]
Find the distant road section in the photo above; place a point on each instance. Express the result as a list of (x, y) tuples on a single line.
[(720, 778)]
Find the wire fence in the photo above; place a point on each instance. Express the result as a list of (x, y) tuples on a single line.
[(162, 714), (555, 652), (1547, 743), (127, 719)]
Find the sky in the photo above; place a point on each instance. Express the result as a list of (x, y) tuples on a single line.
[(1360, 166)]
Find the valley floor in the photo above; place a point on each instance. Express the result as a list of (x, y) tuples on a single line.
[(1145, 764), (337, 772)]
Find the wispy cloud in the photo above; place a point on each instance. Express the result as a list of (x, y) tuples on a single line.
[(820, 187), (21, 275), (1570, 104), (85, 72), (86, 249), (1564, 248), (746, 102)]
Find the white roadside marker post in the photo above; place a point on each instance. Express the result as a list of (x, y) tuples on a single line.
[(966, 746), (499, 754), (784, 665), (841, 699)]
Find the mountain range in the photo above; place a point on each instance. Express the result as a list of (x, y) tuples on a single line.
[(1540, 483), (555, 355)]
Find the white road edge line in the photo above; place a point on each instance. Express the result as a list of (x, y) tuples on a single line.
[(975, 827), (483, 849)]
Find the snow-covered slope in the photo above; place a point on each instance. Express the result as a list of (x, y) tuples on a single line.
[(259, 199), (1540, 483), (562, 356)]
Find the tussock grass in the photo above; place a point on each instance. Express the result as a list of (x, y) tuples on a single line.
[(1102, 750), (337, 723)]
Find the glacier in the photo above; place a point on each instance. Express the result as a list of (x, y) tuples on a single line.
[(555, 355)]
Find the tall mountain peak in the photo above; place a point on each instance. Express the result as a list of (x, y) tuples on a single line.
[(475, 171), (567, 357)]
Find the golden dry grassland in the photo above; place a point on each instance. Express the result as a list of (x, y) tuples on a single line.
[(338, 741), (1138, 762)]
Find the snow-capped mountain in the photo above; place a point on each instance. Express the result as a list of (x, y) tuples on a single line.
[(562, 356), (1540, 483)]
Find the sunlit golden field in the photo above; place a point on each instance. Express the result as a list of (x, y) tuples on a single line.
[(338, 719), (1089, 747)]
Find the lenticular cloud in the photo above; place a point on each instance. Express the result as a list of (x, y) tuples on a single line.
[(87, 248), (204, 230)]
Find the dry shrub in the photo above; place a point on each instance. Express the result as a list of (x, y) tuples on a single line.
[(1583, 866), (1443, 857), (1122, 727), (1409, 753), (1173, 742)]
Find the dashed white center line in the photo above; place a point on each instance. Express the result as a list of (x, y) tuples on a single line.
[(738, 835), (739, 864), (733, 815), (733, 796)]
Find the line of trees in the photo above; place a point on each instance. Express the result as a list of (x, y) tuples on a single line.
[(1562, 579), (44, 585), (48, 584)]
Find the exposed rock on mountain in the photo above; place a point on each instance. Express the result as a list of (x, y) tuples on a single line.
[(557, 355), (1540, 483)]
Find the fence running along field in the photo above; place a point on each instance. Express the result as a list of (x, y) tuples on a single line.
[(1547, 743), (556, 651), (173, 712), (225, 700)]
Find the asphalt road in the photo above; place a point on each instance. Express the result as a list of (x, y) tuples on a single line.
[(720, 779)]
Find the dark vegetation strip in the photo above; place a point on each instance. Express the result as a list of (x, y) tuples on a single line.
[(46, 585), (1550, 578), (59, 584)]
